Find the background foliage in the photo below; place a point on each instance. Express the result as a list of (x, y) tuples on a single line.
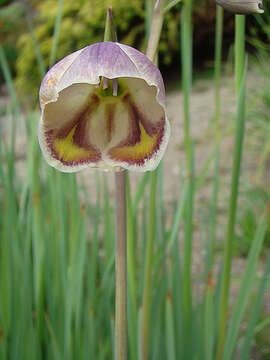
[(83, 22)]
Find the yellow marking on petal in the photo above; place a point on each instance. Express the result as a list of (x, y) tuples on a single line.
[(50, 82), (66, 150), (139, 151)]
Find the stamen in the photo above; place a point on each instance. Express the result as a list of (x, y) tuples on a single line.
[(105, 83), (115, 87)]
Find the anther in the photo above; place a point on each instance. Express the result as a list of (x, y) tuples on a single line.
[(105, 83)]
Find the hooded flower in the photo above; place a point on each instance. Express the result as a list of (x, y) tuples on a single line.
[(241, 6), (103, 106)]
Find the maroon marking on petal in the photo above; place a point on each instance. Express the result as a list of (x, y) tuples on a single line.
[(135, 116), (150, 128), (50, 139), (79, 137), (135, 132), (141, 161), (110, 120), (80, 122)]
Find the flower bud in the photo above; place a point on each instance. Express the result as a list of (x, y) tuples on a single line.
[(241, 6)]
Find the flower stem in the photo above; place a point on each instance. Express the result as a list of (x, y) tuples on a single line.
[(121, 329), (121, 268), (156, 26)]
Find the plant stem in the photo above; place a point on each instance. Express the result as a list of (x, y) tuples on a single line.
[(155, 32), (239, 135), (121, 268)]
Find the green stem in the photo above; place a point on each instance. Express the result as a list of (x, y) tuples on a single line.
[(155, 32), (149, 6), (239, 135), (121, 268)]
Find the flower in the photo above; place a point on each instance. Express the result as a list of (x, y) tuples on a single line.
[(103, 106), (241, 6)]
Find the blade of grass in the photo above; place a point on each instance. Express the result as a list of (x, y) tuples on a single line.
[(186, 59), (209, 319), (152, 47), (170, 337), (41, 65), (131, 259), (252, 328), (148, 269), (237, 155), (140, 191), (56, 31), (245, 290)]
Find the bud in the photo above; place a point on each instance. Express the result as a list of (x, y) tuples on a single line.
[(242, 6)]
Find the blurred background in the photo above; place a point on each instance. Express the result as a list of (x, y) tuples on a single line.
[(82, 23), (56, 238)]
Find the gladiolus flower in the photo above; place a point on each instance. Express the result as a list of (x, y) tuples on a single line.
[(241, 6), (103, 106)]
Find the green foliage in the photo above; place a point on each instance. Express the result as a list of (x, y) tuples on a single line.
[(262, 340), (255, 201), (83, 23)]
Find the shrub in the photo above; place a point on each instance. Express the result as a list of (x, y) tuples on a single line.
[(83, 23)]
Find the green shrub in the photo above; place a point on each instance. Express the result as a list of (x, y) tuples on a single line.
[(82, 23)]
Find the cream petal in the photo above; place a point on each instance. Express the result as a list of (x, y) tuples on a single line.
[(144, 98), (63, 129), (141, 129)]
